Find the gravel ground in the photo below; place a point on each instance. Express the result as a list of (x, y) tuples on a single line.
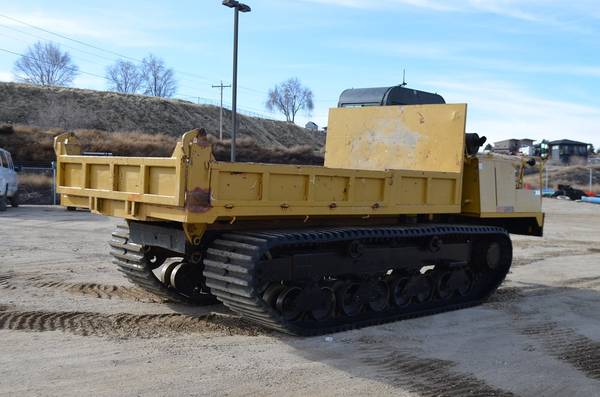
[(70, 323)]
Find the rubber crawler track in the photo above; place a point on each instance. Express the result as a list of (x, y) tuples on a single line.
[(231, 268), (130, 260)]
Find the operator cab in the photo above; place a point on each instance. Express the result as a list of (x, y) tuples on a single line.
[(387, 96)]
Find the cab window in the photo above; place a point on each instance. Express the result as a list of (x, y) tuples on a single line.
[(3, 161), (9, 160)]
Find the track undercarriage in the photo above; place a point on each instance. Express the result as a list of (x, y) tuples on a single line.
[(309, 282)]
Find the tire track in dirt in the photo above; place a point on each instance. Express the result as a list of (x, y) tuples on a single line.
[(101, 291), (423, 376), (507, 295), (96, 290), (567, 345), (557, 249), (563, 343), (5, 280), (582, 282), (519, 261), (124, 325)]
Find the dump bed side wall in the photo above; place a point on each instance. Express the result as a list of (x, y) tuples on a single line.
[(191, 187), (274, 190)]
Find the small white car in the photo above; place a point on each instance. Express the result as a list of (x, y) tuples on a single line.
[(9, 186)]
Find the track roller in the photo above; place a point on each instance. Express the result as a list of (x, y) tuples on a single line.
[(150, 269)]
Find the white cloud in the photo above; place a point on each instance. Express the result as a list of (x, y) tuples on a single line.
[(122, 30), (6, 76), (368, 4), (501, 110), (542, 11), (464, 54)]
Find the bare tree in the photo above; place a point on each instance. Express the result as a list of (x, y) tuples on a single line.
[(158, 79), (124, 76), (45, 64), (289, 98)]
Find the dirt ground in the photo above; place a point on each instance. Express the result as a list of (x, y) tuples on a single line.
[(70, 324)]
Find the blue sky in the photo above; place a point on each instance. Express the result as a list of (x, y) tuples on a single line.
[(527, 68)]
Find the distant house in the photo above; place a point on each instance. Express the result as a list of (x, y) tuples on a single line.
[(566, 151), (512, 146), (311, 126)]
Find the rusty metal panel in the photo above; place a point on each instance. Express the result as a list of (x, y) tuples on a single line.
[(419, 137)]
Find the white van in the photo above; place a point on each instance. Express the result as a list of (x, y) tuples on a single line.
[(9, 188)]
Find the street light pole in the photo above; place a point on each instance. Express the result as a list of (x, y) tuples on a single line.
[(238, 7), (236, 14)]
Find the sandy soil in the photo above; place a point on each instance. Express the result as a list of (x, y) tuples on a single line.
[(70, 324)]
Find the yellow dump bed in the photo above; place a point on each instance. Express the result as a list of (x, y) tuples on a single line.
[(192, 187)]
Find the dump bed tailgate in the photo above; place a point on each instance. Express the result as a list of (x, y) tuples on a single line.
[(105, 183)]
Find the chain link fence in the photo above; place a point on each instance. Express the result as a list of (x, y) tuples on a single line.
[(37, 184), (555, 179)]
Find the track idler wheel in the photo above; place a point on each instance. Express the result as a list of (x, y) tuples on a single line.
[(326, 307), (411, 289), (493, 255), (288, 303), (420, 288), (400, 294), (465, 282), (166, 271), (272, 293), (186, 278), (347, 295), (445, 285), (380, 296), (153, 260), (451, 282)]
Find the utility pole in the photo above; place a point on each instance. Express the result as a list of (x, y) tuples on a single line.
[(221, 86)]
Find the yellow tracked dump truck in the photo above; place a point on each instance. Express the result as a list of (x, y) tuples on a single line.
[(404, 219)]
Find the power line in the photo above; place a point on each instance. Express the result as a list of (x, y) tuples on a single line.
[(91, 45), (108, 52), (66, 45), (112, 52), (76, 69), (80, 42), (246, 110), (74, 49), (79, 58)]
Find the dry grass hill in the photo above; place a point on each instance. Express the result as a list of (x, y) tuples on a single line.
[(132, 125), (70, 109)]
